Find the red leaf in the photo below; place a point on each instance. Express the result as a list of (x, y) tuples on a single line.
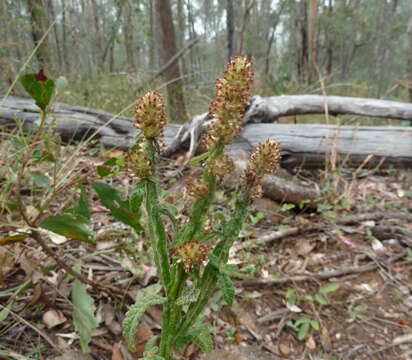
[(40, 76)]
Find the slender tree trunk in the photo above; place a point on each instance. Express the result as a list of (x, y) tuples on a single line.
[(248, 7), (97, 41), (166, 48), (409, 61), (194, 60), (65, 50), (312, 41), (109, 48), (56, 35), (329, 43), (128, 37), (181, 24), (303, 35), (230, 25), (271, 38), (39, 27)]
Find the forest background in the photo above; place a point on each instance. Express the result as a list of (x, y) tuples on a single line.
[(112, 50)]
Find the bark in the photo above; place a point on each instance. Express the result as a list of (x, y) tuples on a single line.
[(166, 49), (409, 60), (39, 28), (303, 40), (230, 28), (271, 38), (312, 40), (248, 8), (109, 48), (128, 38), (65, 48), (56, 34), (98, 41), (329, 45)]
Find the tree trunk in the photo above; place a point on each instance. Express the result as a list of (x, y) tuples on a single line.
[(39, 27), (312, 41), (129, 45), (97, 38), (230, 28), (329, 45), (303, 40), (65, 47), (248, 7), (166, 48), (56, 36), (409, 62)]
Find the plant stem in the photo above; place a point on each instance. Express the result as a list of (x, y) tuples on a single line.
[(210, 275)]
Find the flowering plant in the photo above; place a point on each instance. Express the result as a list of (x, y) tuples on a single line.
[(198, 250)]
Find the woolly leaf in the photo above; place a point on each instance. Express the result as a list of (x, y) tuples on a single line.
[(204, 341), (145, 298), (195, 332), (188, 296), (227, 288)]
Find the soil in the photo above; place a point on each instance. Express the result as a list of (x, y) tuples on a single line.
[(368, 315)]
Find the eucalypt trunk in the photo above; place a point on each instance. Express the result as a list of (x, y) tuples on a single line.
[(196, 249)]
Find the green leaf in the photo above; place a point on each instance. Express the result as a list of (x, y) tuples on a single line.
[(287, 207), (188, 296), (197, 159), (303, 330), (120, 209), (315, 324), (191, 334), (137, 197), (227, 288), (214, 261), (328, 288), (290, 297), (144, 299), (83, 314), (70, 226), (111, 166), (151, 344), (204, 341), (39, 87), (39, 179), (82, 207), (4, 313), (61, 83), (321, 299)]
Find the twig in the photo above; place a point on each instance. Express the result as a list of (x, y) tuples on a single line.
[(46, 248), (373, 216), (37, 330), (323, 275), (281, 234), (275, 315)]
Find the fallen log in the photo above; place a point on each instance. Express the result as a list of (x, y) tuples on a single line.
[(305, 145)]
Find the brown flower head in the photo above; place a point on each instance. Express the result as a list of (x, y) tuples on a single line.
[(232, 97), (197, 188), (150, 116), (190, 254), (264, 160), (221, 166), (137, 162)]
